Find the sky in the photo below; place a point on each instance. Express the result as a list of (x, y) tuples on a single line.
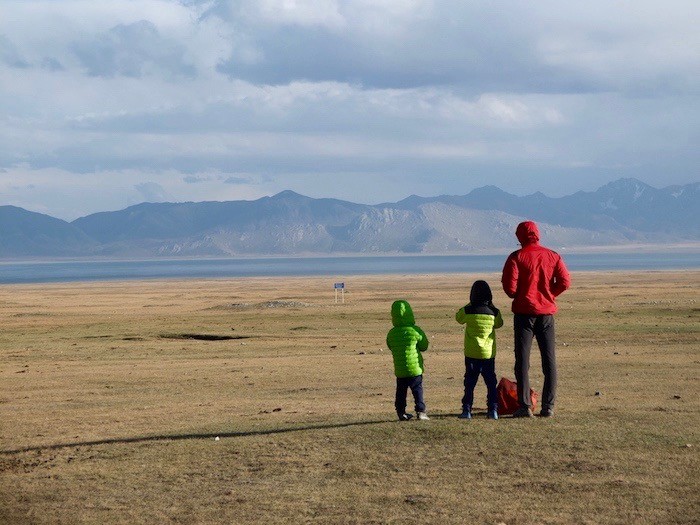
[(105, 104)]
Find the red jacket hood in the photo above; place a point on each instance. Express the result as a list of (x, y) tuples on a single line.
[(527, 233)]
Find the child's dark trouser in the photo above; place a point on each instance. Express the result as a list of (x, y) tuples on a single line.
[(402, 386), (541, 327), (474, 368)]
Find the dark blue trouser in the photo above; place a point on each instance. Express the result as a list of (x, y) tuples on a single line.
[(474, 368), (541, 327), (402, 386)]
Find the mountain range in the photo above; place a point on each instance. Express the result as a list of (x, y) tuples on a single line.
[(626, 211)]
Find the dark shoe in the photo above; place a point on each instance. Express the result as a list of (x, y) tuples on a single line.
[(492, 414), (547, 412), (523, 412), (405, 417), (467, 414)]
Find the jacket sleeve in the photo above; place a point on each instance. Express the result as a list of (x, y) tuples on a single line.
[(561, 278), (498, 322), (509, 279), (422, 345), (461, 316)]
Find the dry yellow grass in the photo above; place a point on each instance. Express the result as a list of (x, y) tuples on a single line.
[(109, 414)]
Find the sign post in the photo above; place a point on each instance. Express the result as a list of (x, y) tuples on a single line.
[(341, 287)]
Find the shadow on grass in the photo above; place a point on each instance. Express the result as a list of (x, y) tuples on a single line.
[(213, 435), (182, 437)]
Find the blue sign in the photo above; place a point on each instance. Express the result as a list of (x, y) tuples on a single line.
[(339, 286)]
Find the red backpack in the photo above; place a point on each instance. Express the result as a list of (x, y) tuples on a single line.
[(508, 397)]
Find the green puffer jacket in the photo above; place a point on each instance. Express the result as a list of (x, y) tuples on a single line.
[(406, 341), (480, 331)]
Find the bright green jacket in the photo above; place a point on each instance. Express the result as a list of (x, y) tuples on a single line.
[(480, 330), (406, 341)]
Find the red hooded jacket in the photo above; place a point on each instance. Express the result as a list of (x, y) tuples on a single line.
[(534, 276)]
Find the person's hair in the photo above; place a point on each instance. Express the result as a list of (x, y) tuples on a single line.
[(480, 293)]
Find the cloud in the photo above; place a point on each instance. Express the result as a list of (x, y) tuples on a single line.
[(494, 46), (51, 64), (237, 180), (9, 55), (164, 38), (302, 13), (132, 50), (235, 99), (152, 192), (474, 46), (82, 194), (191, 179)]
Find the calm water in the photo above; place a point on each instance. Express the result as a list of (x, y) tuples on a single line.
[(338, 267)]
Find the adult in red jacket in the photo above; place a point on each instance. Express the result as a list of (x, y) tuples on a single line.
[(533, 277)]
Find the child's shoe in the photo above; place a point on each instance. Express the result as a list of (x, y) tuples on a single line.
[(492, 414), (405, 417), (423, 416), (466, 414)]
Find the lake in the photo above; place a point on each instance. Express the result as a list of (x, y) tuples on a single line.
[(337, 267)]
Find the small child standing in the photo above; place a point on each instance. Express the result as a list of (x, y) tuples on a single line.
[(407, 342), (481, 318)]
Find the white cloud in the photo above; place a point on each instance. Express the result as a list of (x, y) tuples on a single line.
[(69, 32), (300, 12), (152, 192)]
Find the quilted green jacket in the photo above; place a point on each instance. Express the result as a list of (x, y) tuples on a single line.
[(406, 341), (480, 323)]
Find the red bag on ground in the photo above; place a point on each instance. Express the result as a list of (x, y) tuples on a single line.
[(508, 397)]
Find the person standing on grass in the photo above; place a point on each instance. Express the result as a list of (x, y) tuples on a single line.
[(407, 343), (533, 277), (481, 318)]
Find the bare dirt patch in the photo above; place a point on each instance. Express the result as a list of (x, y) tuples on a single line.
[(278, 303), (204, 337)]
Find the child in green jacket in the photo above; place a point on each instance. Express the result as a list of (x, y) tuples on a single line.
[(481, 318), (407, 342)]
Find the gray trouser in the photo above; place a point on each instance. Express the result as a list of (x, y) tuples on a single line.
[(542, 328)]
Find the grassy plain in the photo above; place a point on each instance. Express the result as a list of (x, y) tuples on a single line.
[(109, 410)]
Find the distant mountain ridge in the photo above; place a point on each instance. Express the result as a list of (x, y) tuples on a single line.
[(27, 234), (626, 211), (623, 204)]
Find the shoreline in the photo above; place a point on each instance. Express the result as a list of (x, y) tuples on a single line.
[(684, 247), (326, 267), (376, 277)]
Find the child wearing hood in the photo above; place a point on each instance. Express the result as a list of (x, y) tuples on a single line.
[(481, 318), (407, 343)]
